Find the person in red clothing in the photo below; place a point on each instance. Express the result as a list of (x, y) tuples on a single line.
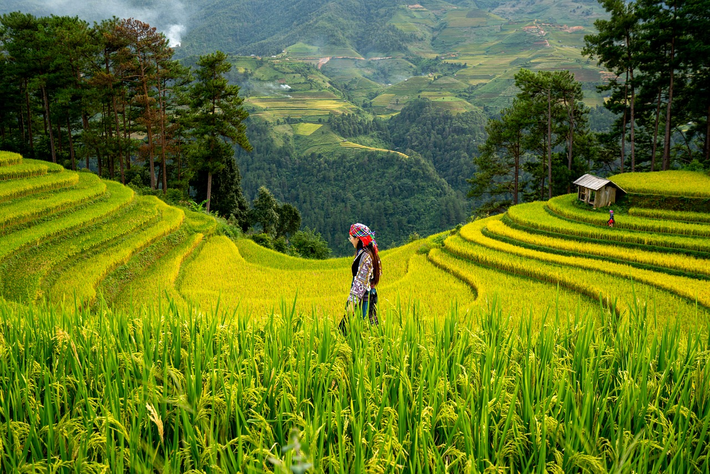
[(366, 271), (611, 220)]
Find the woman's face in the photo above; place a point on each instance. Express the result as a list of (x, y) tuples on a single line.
[(353, 240)]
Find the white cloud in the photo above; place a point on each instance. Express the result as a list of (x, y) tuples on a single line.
[(168, 16)]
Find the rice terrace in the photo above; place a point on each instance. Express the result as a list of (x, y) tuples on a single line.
[(535, 338), (355, 236)]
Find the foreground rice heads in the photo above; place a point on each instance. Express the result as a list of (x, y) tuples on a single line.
[(173, 392)]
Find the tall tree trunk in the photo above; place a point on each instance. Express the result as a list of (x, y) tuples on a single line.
[(85, 125), (60, 146), (517, 170), (126, 128), (209, 190), (119, 146), (163, 160), (623, 122), (150, 134), (632, 124), (71, 146), (108, 134), (667, 138), (655, 131), (49, 124), (179, 161), (29, 119), (549, 143), (21, 124), (570, 115)]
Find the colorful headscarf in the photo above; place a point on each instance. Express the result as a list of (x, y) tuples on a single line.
[(363, 233)]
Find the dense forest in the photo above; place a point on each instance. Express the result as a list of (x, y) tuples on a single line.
[(397, 196)]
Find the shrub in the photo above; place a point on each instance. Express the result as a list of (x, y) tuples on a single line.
[(310, 244), (263, 239)]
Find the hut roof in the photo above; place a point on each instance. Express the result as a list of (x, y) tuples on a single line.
[(592, 182)]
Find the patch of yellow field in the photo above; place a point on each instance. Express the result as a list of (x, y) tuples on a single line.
[(348, 144), (305, 128)]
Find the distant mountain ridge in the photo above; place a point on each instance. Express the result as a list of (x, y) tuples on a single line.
[(266, 27)]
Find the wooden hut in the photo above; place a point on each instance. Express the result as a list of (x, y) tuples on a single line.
[(597, 192)]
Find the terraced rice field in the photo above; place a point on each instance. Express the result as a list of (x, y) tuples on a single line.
[(136, 338), (308, 107), (71, 238)]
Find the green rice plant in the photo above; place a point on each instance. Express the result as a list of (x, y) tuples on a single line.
[(588, 276), (8, 158), (669, 183), (426, 287), (27, 169), (176, 391), (200, 222), (22, 275), (158, 281), (499, 289), (78, 282), (117, 197), (665, 214), (28, 208), (17, 188), (690, 265), (141, 262), (564, 206), (534, 215)]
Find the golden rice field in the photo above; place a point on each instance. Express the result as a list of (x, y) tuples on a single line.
[(671, 183), (304, 128), (134, 337), (297, 107)]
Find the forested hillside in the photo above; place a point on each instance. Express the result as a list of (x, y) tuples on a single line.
[(399, 195)]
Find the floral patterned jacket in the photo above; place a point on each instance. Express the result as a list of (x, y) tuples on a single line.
[(362, 273)]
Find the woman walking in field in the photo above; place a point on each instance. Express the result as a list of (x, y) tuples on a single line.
[(366, 270)]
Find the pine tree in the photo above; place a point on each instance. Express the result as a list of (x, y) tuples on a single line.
[(218, 118)]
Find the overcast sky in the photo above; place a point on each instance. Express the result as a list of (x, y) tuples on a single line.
[(169, 16)]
